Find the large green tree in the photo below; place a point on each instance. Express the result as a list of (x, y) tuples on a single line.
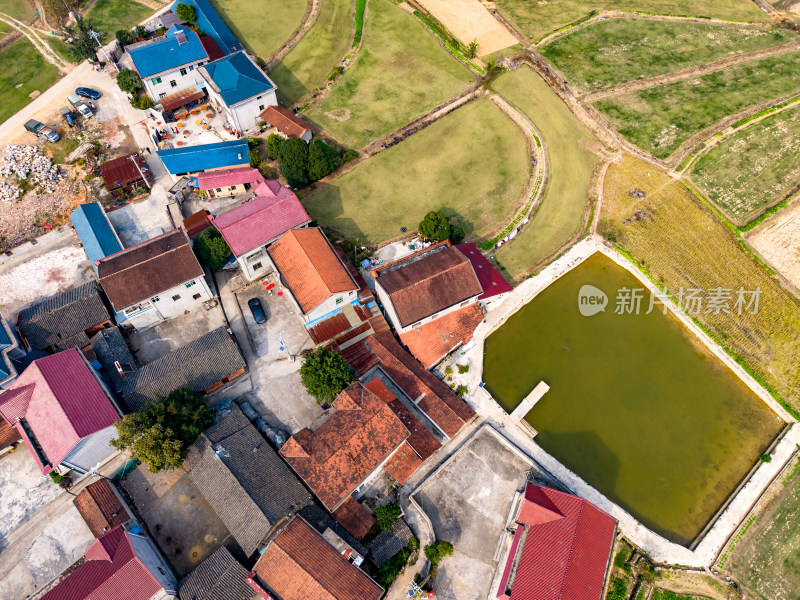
[(129, 81), (436, 226), (160, 433), (273, 144), (80, 39), (324, 374), (293, 156), (211, 249), (321, 160), (187, 13)]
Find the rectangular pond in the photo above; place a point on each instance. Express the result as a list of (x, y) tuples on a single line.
[(638, 406)]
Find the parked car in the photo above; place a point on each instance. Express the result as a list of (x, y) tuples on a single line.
[(88, 93), (37, 128), (68, 115), (258, 311), (80, 105)]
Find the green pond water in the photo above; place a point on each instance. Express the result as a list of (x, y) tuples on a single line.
[(638, 407)]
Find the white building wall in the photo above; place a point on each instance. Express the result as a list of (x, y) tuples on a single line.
[(246, 113), (155, 563), (166, 308), (182, 82), (330, 304), (383, 296)]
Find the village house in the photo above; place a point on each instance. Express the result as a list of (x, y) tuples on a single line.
[(155, 280), (65, 320), (212, 25), (98, 237), (10, 350), (125, 173), (218, 577), (239, 89), (317, 280), (63, 411), (102, 507), (561, 548), (119, 564), (287, 124), (494, 285), (205, 157)]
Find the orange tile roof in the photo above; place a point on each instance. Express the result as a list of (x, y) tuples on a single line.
[(403, 463), (354, 517), (310, 267), (285, 121), (299, 564), (100, 507), (358, 436), (432, 341)]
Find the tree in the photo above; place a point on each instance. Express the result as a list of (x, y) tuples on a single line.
[(129, 81), (187, 13), (255, 157), (211, 249), (435, 226), (293, 157), (161, 432), (82, 44), (386, 515), (142, 102), (274, 143), (125, 37), (324, 374), (321, 160), (436, 551), (472, 49)]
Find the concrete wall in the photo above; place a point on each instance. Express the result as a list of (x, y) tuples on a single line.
[(228, 191), (155, 563), (330, 304), (383, 296), (182, 82), (246, 113), (166, 308)]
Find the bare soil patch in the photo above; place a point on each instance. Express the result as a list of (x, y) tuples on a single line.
[(777, 240), (469, 20)]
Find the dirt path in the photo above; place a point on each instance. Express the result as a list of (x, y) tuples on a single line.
[(766, 7), (42, 46), (312, 12), (683, 74), (151, 4)]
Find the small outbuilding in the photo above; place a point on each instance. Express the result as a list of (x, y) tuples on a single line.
[(287, 123), (125, 173)]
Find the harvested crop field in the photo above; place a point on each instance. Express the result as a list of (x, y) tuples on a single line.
[(263, 26), (469, 20), (569, 147), (777, 241), (684, 245), (472, 163), (401, 72), (660, 119), (615, 51), (754, 168), (536, 18)]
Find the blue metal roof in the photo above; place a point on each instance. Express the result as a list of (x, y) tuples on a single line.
[(95, 232), (191, 159), (237, 78), (209, 21), (168, 54)]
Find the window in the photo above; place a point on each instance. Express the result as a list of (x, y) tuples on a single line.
[(162, 95), (196, 297), (190, 284), (173, 83), (176, 297), (260, 107), (191, 67), (155, 80), (219, 189), (183, 72), (258, 97), (233, 187), (339, 300), (254, 255), (417, 324), (465, 303), (155, 299), (257, 266), (200, 64)]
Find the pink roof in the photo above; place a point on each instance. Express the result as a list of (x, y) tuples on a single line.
[(566, 552), (209, 180), (61, 401), (112, 570), (261, 219), (492, 282)]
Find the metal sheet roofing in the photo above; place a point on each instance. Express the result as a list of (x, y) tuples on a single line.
[(191, 159), (492, 282), (237, 78), (95, 232), (168, 54), (209, 21)]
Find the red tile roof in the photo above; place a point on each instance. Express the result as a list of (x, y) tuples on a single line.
[(310, 267), (403, 463), (300, 565), (354, 517), (8, 435), (112, 570), (211, 47), (61, 401), (121, 171), (430, 342), (259, 220), (566, 547), (428, 282), (101, 507), (285, 121), (197, 223), (491, 280), (359, 435)]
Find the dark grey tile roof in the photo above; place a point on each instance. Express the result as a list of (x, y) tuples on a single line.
[(219, 577), (388, 543), (244, 480), (109, 346), (62, 319), (197, 365), (321, 520)]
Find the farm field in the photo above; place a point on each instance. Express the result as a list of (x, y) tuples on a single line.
[(22, 64), (660, 119), (767, 559), (469, 20), (21, 10), (560, 213), (263, 26), (615, 51), (60, 47), (754, 168), (109, 16), (401, 73), (472, 163), (322, 48), (777, 241), (684, 245), (535, 19)]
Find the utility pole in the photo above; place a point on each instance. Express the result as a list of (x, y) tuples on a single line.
[(109, 60), (138, 168)]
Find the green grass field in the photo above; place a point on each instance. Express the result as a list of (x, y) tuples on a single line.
[(560, 213), (614, 51), (109, 16), (60, 47), (662, 594), (535, 19), (262, 26), (401, 73), (472, 163), (660, 119), (22, 10), (311, 61), (755, 168), (22, 64)]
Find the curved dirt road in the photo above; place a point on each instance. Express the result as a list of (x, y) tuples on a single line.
[(42, 46)]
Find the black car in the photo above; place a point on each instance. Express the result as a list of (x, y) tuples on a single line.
[(88, 93), (258, 312)]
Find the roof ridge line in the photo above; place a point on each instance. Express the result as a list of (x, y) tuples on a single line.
[(145, 260), (572, 544)]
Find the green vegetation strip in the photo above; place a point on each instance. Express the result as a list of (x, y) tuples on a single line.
[(764, 112), (568, 27), (456, 48), (25, 67), (359, 21)]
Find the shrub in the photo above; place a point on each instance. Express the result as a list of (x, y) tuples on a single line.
[(293, 157), (273, 145), (766, 458), (255, 157), (125, 37), (472, 49), (324, 374), (211, 249), (56, 477), (266, 170), (386, 515), (187, 13), (463, 369), (461, 390), (448, 370), (129, 81), (142, 102), (395, 565), (253, 142), (349, 155)]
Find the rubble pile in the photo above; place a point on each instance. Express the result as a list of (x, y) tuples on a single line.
[(9, 192), (25, 161)]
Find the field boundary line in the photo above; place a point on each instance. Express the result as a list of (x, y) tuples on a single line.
[(41, 46), (309, 18)]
